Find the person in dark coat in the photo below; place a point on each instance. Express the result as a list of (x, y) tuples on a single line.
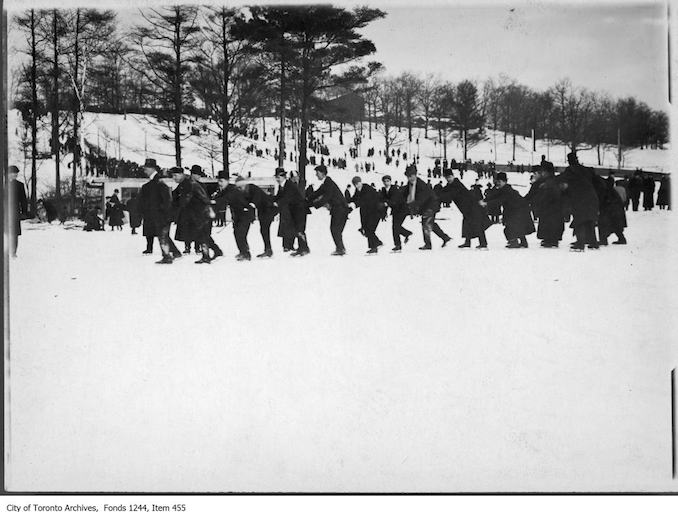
[(266, 212), (612, 217), (545, 199), (576, 181), (242, 213), (330, 195), (648, 193), (116, 214), (132, 208), (155, 205), (493, 211), (93, 220), (546, 165), (18, 207), (517, 217), (635, 187), (664, 194), (216, 252), (371, 208), (293, 211), (393, 197), (421, 200), (477, 190), (183, 218), (192, 206), (475, 220)]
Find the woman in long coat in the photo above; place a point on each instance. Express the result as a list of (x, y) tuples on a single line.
[(648, 193), (664, 194), (132, 208), (545, 198), (116, 216)]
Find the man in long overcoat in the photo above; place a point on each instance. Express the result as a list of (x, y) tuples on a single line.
[(18, 207), (517, 218), (371, 208), (155, 204), (475, 220), (293, 211), (577, 183), (545, 198)]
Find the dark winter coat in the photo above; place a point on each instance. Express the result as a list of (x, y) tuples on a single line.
[(371, 207), (475, 220), (132, 207), (155, 206), (477, 191), (261, 200), (492, 209), (612, 218), (116, 215), (394, 199), (635, 186), (236, 200), (546, 199), (330, 194), (580, 194), (191, 211), (292, 207), (424, 198), (19, 205), (517, 218), (648, 192), (664, 194)]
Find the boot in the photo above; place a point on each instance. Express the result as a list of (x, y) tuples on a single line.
[(513, 244), (148, 251), (338, 253), (165, 260), (425, 248), (204, 259), (373, 250), (397, 248), (266, 254), (446, 241), (465, 245), (243, 257)]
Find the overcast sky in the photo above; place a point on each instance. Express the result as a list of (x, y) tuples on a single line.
[(619, 48)]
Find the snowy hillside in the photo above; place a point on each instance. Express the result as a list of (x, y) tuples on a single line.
[(142, 136)]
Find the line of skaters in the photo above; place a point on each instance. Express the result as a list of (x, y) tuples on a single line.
[(577, 194)]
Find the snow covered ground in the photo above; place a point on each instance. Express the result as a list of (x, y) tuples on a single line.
[(450, 370)]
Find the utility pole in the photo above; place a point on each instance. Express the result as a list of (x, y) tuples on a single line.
[(619, 151)]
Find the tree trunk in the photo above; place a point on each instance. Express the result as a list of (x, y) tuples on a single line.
[(513, 158), (34, 116), (225, 121), (56, 142), (281, 144), (177, 92), (76, 109)]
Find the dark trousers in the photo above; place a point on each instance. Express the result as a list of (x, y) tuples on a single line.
[(428, 224), (398, 229), (635, 201), (167, 247), (481, 239), (172, 247), (586, 234), (240, 229), (338, 218), (211, 244), (265, 229)]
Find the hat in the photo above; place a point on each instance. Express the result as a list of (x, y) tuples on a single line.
[(196, 169), (501, 176), (321, 168), (356, 180), (12, 169), (239, 179), (280, 172), (448, 172), (386, 177), (176, 170), (222, 175), (150, 162), (411, 171)]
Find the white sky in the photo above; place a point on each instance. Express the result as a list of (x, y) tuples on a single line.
[(616, 47)]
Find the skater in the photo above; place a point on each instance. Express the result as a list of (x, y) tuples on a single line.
[(475, 220), (18, 208), (132, 208), (547, 166), (115, 216), (648, 193), (664, 194), (293, 213), (576, 181), (155, 204), (493, 211), (329, 194), (635, 186), (517, 217), (242, 213), (612, 217), (393, 197), (93, 220), (545, 199), (266, 212), (371, 208), (196, 173), (421, 200), (193, 208)]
